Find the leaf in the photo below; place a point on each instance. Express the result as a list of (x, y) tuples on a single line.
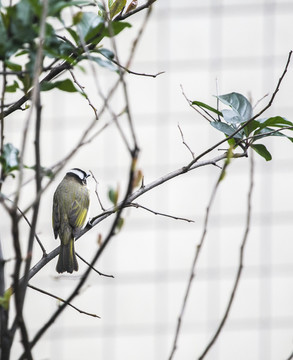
[(73, 34), (266, 132), (12, 88), (208, 107), (115, 27), (116, 7), (13, 66), (231, 117), (56, 6), (277, 121), (239, 104), (119, 225), (9, 158), (64, 85), (5, 299), (90, 26), (107, 53), (113, 196), (262, 151), (10, 155), (104, 63), (226, 129)]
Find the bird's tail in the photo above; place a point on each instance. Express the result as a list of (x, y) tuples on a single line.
[(67, 259)]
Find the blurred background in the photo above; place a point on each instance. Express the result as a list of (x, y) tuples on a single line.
[(208, 48)]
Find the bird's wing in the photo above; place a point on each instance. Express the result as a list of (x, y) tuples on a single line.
[(56, 218), (79, 209)]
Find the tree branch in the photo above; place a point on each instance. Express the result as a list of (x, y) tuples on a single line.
[(136, 10), (62, 300), (195, 259), (142, 190), (46, 326), (240, 265)]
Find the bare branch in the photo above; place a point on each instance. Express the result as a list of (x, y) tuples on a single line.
[(84, 93), (240, 265), (96, 191), (136, 10), (130, 71), (261, 99), (136, 205), (194, 108), (195, 259), (62, 300), (184, 143), (88, 264)]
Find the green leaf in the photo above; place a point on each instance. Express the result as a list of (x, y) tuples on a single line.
[(119, 225), (56, 6), (231, 117), (277, 121), (73, 34), (115, 27), (113, 196), (226, 129), (262, 151), (104, 63), (107, 53), (266, 132), (64, 85), (9, 158), (208, 107), (239, 104), (13, 66), (116, 7), (91, 25), (12, 88), (5, 299), (249, 128)]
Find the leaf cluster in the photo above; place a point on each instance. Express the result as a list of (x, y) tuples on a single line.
[(70, 40), (237, 122)]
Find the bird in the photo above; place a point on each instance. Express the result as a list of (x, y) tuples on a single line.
[(69, 214)]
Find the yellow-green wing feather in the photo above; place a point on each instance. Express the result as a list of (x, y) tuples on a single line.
[(79, 209), (56, 217)]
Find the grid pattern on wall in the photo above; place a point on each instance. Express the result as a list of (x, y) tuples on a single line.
[(207, 47)]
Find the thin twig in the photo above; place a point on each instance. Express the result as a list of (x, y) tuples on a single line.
[(240, 265), (184, 143), (4, 83), (84, 93), (136, 10), (194, 108), (194, 262), (130, 71), (96, 191), (88, 264), (136, 205), (259, 136), (258, 101), (62, 300)]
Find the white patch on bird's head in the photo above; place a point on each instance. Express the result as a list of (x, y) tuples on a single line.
[(80, 174)]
